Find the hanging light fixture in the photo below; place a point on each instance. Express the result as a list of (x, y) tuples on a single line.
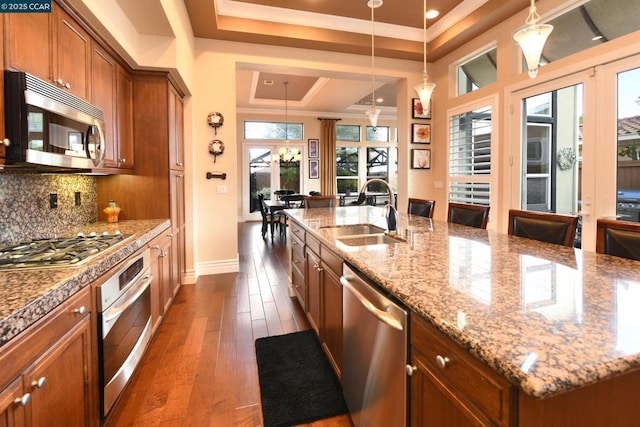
[(373, 112), (286, 155), (425, 89), (532, 39)]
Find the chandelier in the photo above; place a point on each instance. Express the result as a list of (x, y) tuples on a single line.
[(532, 39), (425, 89), (372, 113), (286, 155)]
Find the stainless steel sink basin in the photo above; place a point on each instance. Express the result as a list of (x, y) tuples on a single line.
[(354, 230), (368, 239)]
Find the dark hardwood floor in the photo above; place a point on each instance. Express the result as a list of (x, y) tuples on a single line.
[(200, 368)]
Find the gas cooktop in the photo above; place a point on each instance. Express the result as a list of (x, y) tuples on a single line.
[(56, 252)]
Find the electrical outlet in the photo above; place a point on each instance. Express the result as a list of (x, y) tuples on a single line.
[(78, 201), (53, 200)]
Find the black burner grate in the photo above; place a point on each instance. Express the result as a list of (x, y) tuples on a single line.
[(55, 252)]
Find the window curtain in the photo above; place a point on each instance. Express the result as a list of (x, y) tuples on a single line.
[(328, 185)]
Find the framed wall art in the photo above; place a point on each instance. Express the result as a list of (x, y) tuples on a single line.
[(314, 169), (314, 148), (420, 158), (418, 111), (421, 133)]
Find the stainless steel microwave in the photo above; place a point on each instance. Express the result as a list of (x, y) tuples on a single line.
[(49, 129)]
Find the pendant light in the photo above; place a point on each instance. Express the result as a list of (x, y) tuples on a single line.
[(286, 155), (373, 112), (425, 89), (532, 39)]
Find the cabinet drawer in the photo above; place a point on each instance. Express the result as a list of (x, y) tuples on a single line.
[(300, 288), (469, 378), (297, 255), (331, 260), (313, 244), (297, 231)]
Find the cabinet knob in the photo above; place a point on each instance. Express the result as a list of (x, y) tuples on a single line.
[(23, 400), (179, 164), (163, 255), (123, 160), (442, 361), (317, 267), (6, 142), (170, 235), (410, 369), (59, 82), (80, 310), (39, 383), (154, 247)]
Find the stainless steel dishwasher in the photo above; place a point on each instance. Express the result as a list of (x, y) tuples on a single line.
[(374, 381)]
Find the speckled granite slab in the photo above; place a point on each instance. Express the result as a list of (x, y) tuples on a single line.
[(546, 317), (27, 295)]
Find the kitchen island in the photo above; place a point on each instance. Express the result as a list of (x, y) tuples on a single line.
[(561, 325)]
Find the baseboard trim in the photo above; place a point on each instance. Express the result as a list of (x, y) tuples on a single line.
[(218, 267)]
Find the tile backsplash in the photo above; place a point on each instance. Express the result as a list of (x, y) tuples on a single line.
[(25, 211)]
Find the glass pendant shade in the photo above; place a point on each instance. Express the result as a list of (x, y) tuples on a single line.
[(373, 113), (531, 40), (425, 89)]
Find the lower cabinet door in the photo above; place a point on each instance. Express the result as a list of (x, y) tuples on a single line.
[(59, 381), (13, 400)]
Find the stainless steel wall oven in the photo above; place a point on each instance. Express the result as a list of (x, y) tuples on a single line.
[(124, 325)]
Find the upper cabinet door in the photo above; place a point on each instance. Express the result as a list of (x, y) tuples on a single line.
[(72, 62), (124, 96), (176, 129), (28, 43), (103, 84)]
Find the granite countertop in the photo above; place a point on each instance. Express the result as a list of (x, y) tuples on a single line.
[(27, 295), (548, 318)]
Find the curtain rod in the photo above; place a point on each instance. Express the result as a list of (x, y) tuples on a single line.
[(328, 118)]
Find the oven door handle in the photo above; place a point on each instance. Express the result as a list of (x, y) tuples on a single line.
[(115, 312)]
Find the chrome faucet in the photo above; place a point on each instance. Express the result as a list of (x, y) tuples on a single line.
[(391, 213)]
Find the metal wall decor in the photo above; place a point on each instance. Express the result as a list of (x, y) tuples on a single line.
[(215, 120), (216, 147)]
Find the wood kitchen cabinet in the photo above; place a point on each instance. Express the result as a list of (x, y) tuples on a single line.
[(324, 298), (298, 265), (51, 46), (451, 388), (157, 190), (124, 149), (47, 374), (162, 289)]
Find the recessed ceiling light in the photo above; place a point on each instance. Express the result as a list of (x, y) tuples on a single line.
[(380, 100), (268, 82), (432, 14)]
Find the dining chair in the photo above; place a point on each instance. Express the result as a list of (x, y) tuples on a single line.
[(280, 193), (319, 202), (421, 207), (293, 200), (543, 226), (468, 214), (266, 217), (618, 238)]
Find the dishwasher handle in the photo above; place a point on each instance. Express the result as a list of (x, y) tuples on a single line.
[(381, 315)]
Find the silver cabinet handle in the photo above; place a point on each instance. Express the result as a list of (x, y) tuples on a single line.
[(317, 267), (154, 247), (410, 369), (39, 383), (23, 400), (442, 361), (163, 255), (80, 310)]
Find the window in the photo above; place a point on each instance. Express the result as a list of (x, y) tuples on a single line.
[(381, 134), (348, 133), (347, 169), (478, 72), (273, 130), (591, 23), (378, 167), (470, 157)]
